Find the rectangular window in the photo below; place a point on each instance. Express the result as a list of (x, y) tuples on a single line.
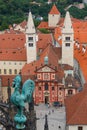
[(80, 128), (53, 76), (67, 38), (30, 38), (39, 76), (46, 76), (30, 44), (52, 87), (67, 44), (46, 86), (39, 88)]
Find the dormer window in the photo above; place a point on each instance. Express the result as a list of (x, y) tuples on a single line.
[(30, 44)]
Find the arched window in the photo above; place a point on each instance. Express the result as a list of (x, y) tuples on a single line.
[(10, 71), (5, 71), (15, 71), (46, 86)]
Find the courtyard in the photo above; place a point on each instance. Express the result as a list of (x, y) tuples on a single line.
[(55, 115)]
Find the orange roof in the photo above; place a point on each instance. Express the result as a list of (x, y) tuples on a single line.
[(43, 24), (43, 41), (52, 60), (81, 57), (80, 31), (76, 109), (12, 47), (23, 24), (54, 10)]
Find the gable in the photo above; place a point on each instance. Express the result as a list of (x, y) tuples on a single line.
[(46, 69)]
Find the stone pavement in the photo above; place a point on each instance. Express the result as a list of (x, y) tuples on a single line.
[(56, 117)]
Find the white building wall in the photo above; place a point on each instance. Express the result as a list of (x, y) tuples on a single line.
[(18, 65), (31, 51), (18, 27), (75, 127), (53, 20), (67, 51)]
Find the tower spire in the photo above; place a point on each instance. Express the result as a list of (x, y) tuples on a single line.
[(67, 27), (30, 29), (67, 41), (30, 40)]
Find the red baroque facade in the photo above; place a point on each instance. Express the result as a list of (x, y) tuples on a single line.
[(47, 87)]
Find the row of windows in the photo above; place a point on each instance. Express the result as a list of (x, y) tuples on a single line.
[(46, 76), (10, 71), (12, 63), (46, 87)]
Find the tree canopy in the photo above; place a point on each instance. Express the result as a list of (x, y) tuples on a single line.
[(15, 11)]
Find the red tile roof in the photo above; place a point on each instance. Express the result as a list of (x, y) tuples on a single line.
[(23, 24), (76, 108), (81, 57), (43, 24), (29, 69), (80, 30), (43, 40), (54, 10), (12, 47)]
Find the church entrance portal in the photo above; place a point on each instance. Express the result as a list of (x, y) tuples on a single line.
[(46, 99)]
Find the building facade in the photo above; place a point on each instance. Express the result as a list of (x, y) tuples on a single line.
[(48, 89)]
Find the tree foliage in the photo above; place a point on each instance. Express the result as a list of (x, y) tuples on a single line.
[(15, 11)]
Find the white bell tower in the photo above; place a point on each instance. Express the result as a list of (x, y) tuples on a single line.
[(67, 41), (30, 40)]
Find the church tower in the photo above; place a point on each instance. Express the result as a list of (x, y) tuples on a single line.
[(30, 40), (53, 17), (67, 41)]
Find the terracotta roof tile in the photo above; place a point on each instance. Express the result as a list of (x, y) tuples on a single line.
[(80, 30), (76, 108), (54, 10), (81, 57), (52, 60), (43, 24), (12, 47), (43, 40)]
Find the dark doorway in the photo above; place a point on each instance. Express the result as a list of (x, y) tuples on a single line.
[(46, 99)]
